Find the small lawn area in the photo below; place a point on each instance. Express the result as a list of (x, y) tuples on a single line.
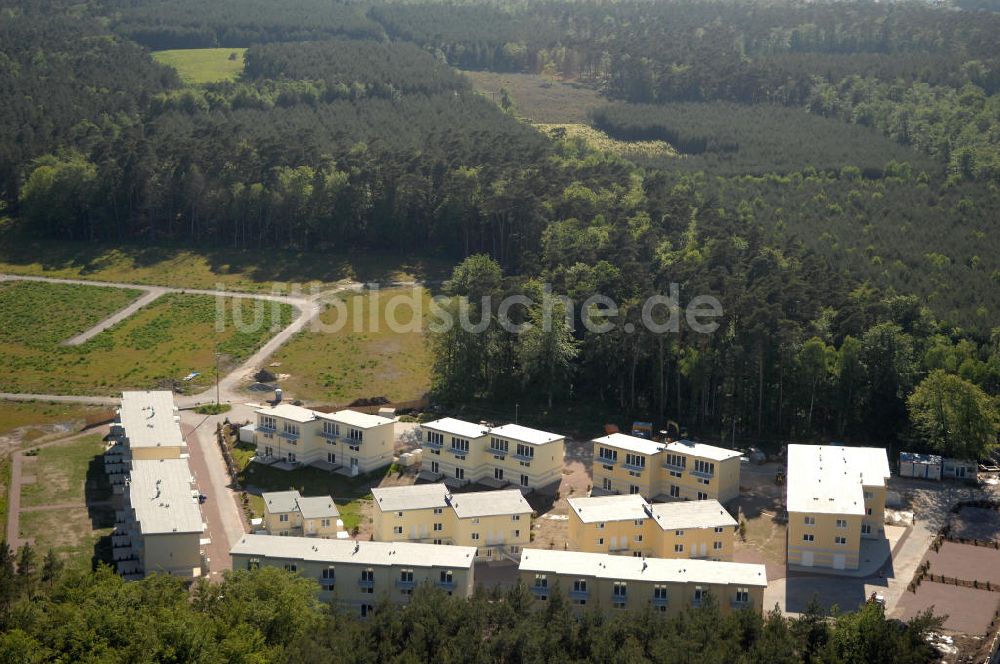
[(36, 416), (62, 473), (198, 66), (362, 360), (76, 534), (155, 347)]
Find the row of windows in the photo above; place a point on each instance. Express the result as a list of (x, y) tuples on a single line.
[(619, 590), (809, 537)]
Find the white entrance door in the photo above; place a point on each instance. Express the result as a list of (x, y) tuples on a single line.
[(354, 466), (839, 561), (704, 549), (807, 558)]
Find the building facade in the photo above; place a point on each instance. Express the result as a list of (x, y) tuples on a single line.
[(357, 575), (615, 583), (288, 436), (460, 453), (496, 523), (628, 525), (679, 470), (287, 513), (146, 426), (835, 498)]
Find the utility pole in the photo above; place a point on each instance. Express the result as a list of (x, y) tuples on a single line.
[(217, 378)]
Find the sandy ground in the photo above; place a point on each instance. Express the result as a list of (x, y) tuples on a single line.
[(969, 610)]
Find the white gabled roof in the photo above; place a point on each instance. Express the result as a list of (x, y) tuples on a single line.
[(159, 492), (148, 419), (600, 509), (280, 502), (829, 479), (318, 507), (710, 452), (634, 444), (358, 552), (353, 418), (628, 568), (489, 503), (287, 411), (527, 435), (455, 427), (413, 497), (692, 514)]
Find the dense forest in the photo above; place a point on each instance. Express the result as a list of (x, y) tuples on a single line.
[(268, 615), (837, 187)]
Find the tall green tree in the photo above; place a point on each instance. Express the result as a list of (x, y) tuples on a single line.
[(953, 416)]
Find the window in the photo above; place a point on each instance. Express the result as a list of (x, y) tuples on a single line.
[(702, 480), (437, 541), (600, 541), (283, 518), (810, 521), (399, 515), (717, 545), (525, 451), (331, 429), (515, 517), (517, 533), (675, 491), (636, 460), (868, 511), (719, 529), (253, 563), (699, 595), (498, 474), (704, 467), (676, 460), (331, 457), (475, 520), (600, 526), (619, 594), (406, 575), (475, 536), (524, 480), (840, 540), (356, 435), (607, 455), (327, 577), (639, 523), (291, 429), (291, 567), (447, 576), (498, 446), (580, 586), (435, 438), (742, 595), (808, 537), (324, 523), (702, 495), (841, 523), (368, 581), (638, 538), (633, 489), (398, 530), (678, 548), (866, 529), (606, 484), (675, 473), (679, 533), (541, 581), (438, 527), (460, 445), (435, 467), (659, 592), (460, 473), (367, 610), (267, 423), (438, 510), (869, 495), (291, 456)]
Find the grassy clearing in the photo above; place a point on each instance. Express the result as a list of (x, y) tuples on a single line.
[(63, 473), (155, 347), (249, 271), (347, 492), (35, 419), (538, 98), (361, 360), (598, 140), (198, 66), (76, 534), (41, 315)]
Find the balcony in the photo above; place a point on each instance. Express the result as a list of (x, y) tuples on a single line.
[(676, 469), (366, 583), (659, 601), (496, 452), (447, 585), (265, 429), (434, 444), (579, 594), (740, 603), (288, 435), (328, 435), (607, 461), (351, 441), (326, 584), (697, 602), (458, 451), (523, 457), (540, 591), (405, 585), (703, 474), (633, 467)]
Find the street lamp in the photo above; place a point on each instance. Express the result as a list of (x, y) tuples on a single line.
[(217, 354)]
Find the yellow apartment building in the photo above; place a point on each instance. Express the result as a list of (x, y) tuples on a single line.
[(159, 527), (835, 498), (287, 513), (288, 436), (679, 470), (496, 523), (462, 452), (628, 525), (357, 575), (623, 582), (146, 426)]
